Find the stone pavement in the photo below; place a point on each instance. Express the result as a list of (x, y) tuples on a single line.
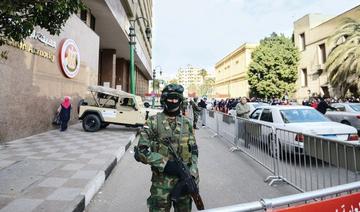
[(59, 171)]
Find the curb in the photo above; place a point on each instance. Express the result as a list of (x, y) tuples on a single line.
[(80, 203)]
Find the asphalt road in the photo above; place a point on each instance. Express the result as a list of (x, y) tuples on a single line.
[(226, 178)]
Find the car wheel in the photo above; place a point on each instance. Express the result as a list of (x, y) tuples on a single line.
[(104, 125), (91, 123), (345, 122)]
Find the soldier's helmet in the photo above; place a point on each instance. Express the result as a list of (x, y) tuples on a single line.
[(172, 91)]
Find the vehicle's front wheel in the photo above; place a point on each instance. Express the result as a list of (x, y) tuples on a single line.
[(91, 123)]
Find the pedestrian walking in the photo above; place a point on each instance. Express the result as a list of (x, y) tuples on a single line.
[(202, 104), (196, 112), (184, 106), (64, 111), (164, 133)]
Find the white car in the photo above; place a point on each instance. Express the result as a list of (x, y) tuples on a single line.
[(294, 121), (347, 113)]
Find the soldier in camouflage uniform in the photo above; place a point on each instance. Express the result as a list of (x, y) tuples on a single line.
[(184, 107), (152, 149), (196, 111)]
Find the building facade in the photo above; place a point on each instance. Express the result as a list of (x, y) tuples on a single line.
[(92, 49), (311, 34), (231, 73), (190, 77)]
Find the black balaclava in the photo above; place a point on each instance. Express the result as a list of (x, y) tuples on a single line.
[(170, 108)]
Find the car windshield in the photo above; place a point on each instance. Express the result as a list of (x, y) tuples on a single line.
[(356, 107), (259, 104), (302, 115)]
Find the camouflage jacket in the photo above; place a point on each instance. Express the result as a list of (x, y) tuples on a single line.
[(196, 109), (152, 149)]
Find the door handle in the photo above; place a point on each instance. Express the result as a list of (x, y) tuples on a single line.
[(120, 112)]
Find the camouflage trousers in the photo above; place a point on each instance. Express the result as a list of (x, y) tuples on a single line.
[(196, 118), (159, 200)]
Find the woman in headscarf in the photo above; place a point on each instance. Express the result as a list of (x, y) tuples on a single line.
[(64, 113)]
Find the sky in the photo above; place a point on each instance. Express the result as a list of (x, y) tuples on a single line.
[(201, 32)]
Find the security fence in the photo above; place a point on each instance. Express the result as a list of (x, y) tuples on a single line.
[(306, 162)]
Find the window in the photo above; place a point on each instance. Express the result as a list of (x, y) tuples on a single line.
[(256, 114), (302, 115), (302, 42), (92, 22), (322, 53), (355, 107), (304, 77), (129, 102), (83, 15), (266, 115), (339, 107)]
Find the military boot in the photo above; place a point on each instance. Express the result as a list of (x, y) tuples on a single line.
[(195, 127)]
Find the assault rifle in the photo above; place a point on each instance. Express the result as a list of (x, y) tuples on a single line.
[(186, 184)]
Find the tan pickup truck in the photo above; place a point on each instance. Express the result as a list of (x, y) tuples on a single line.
[(111, 106)]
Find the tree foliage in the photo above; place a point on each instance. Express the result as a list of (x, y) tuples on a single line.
[(273, 70), (19, 17), (343, 63), (203, 74), (207, 88)]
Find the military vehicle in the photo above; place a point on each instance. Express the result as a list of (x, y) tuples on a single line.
[(112, 106)]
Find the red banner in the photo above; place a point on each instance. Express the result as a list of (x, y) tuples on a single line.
[(347, 203)]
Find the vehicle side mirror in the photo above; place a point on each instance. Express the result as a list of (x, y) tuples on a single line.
[(147, 104)]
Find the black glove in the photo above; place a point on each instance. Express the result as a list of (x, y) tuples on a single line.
[(172, 168)]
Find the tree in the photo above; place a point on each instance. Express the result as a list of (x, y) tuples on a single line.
[(203, 74), (19, 17), (273, 70), (343, 63), (207, 88)]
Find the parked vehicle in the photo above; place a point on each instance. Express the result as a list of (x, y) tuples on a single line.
[(346, 113), (299, 120), (111, 106), (253, 106)]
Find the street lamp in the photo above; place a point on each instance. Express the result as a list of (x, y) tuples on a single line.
[(154, 76), (132, 44)]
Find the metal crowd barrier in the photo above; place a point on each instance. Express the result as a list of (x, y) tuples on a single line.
[(309, 162), (306, 162)]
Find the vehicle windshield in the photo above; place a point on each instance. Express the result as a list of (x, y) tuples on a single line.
[(302, 115), (259, 104), (356, 107)]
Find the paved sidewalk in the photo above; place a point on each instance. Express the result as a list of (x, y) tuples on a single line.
[(59, 171)]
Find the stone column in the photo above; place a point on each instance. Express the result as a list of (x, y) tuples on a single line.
[(122, 73), (107, 71)]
